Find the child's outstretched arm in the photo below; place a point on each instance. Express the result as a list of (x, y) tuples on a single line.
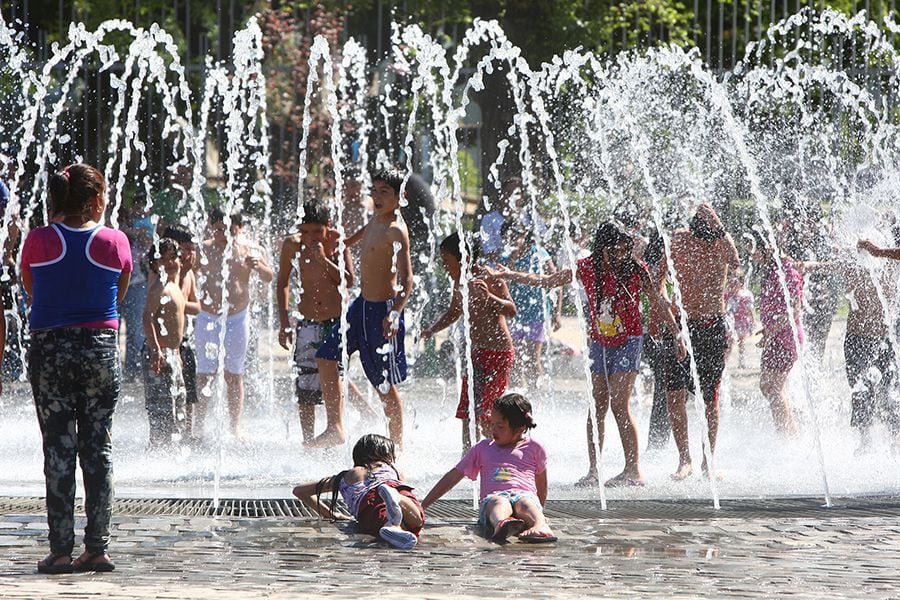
[(307, 493), (450, 316), (282, 296), (877, 251), (547, 280), (356, 236), (447, 483)]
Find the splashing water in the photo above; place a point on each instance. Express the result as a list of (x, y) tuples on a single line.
[(794, 139)]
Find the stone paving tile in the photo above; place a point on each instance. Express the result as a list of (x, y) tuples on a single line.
[(182, 557)]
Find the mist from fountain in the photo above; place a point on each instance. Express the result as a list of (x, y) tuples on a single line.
[(654, 131)]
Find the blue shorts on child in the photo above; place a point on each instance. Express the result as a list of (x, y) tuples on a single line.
[(383, 359)]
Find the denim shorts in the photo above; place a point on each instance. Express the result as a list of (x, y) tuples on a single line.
[(617, 359), (513, 497)]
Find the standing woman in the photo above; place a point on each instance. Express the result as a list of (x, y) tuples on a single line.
[(614, 281), (76, 273)]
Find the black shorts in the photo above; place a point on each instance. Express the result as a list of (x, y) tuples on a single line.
[(189, 369), (709, 341)]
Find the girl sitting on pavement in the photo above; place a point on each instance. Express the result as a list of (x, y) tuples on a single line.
[(513, 470), (374, 493)]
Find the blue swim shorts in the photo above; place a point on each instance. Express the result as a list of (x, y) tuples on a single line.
[(383, 360), (513, 497), (617, 359)]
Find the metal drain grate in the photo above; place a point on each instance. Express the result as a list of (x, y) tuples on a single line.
[(461, 510), (188, 507), (753, 508)]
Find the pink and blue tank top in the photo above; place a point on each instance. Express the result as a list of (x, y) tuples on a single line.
[(75, 275)]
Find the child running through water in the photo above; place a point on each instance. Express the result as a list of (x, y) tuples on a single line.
[(314, 249), (374, 493), (490, 305), (513, 470), (164, 317)]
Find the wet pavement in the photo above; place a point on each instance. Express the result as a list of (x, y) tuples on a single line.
[(756, 548), (679, 547)]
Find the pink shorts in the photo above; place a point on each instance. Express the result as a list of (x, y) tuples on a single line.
[(778, 355)]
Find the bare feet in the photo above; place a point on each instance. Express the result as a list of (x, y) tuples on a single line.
[(624, 479), (327, 439), (684, 471), (538, 535), (705, 471), (588, 481)]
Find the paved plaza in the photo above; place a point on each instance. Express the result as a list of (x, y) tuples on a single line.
[(764, 541), (756, 548)]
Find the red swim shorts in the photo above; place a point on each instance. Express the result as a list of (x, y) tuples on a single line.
[(491, 369)]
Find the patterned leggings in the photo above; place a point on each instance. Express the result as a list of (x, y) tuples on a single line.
[(75, 378)]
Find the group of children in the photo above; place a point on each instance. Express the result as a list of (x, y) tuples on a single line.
[(511, 466), (172, 371), (375, 321)]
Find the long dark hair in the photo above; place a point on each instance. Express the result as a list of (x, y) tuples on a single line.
[(609, 235), (371, 449), (73, 188)]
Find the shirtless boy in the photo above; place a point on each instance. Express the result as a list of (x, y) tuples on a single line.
[(243, 261), (187, 280), (315, 248), (702, 256), (375, 318), (163, 328), (868, 352), (490, 304)]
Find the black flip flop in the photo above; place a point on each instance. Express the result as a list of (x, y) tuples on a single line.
[(48, 566), (507, 527), (535, 538), (89, 565)]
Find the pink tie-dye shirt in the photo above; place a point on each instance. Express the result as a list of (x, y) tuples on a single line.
[(504, 469)]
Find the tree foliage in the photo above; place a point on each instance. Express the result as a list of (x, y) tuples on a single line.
[(541, 28), (287, 43)]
